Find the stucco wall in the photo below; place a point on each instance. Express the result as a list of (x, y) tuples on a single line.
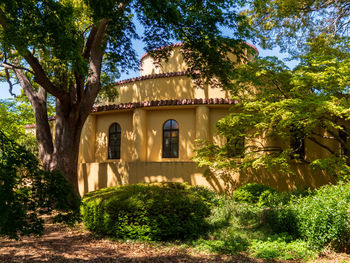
[(155, 122), (93, 176), (175, 63), (103, 122), (177, 87)]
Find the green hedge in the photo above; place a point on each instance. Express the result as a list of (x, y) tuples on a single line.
[(147, 211), (321, 218)]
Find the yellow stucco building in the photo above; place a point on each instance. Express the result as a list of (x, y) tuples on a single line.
[(148, 134)]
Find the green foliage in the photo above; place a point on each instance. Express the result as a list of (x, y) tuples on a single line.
[(283, 220), (274, 100), (292, 24), (27, 192), (253, 193), (237, 227), (57, 32), (147, 211), (281, 247), (323, 218), (14, 116)]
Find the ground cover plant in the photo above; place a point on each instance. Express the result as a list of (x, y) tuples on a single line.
[(271, 225)]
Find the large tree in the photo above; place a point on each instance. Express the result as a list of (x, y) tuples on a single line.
[(277, 104), (75, 49)]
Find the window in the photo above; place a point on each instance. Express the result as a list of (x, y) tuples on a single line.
[(235, 147), (297, 144), (114, 141), (170, 139)]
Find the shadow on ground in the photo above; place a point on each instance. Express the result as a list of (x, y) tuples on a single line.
[(74, 245)]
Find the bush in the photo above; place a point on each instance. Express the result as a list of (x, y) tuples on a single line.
[(27, 192), (147, 211), (282, 220), (323, 218), (251, 193)]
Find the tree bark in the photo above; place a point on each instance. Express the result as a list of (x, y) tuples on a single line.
[(72, 106)]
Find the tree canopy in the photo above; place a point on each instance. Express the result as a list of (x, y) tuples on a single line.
[(75, 49), (280, 109)]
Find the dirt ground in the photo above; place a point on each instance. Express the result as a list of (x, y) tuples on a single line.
[(75, 245)]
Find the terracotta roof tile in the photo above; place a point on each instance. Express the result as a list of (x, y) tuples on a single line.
[(153, 103), (156, 103)]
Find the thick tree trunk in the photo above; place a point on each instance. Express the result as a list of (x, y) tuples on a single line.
[(69, 124), (73, 104)]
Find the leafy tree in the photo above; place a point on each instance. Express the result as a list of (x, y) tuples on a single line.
[(280, 109), (291, 24), (14, 115), (75, 49), (27, 192)]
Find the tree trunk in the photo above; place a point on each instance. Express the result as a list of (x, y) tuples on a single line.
[(69, 124)]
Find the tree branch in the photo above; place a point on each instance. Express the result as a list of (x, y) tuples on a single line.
[(39, 74), (93, 84), (8, 79), (89, 42), (7, 65), (322, 145)]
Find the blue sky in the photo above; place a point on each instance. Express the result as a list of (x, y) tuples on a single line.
[(4, 90)]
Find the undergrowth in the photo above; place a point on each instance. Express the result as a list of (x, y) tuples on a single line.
[(259, 220)]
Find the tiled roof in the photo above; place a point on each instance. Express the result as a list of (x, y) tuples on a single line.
[(155, 103), (152, 76)]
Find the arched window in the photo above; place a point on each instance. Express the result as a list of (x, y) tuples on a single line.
[(170, 139), (114, 141)]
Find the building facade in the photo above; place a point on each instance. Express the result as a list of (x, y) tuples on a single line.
[(149, 133)]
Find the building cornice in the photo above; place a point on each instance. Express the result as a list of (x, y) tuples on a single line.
[(154, 103), (158, 103)]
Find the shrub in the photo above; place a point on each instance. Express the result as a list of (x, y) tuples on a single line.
[(323, 218), (27, 192), (251, 193), (282, 220), (146, 211)]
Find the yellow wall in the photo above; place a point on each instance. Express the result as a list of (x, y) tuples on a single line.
[(103, 122), (180, 87), (155, 121), (215, 116), (175, 63), (93, 176)]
